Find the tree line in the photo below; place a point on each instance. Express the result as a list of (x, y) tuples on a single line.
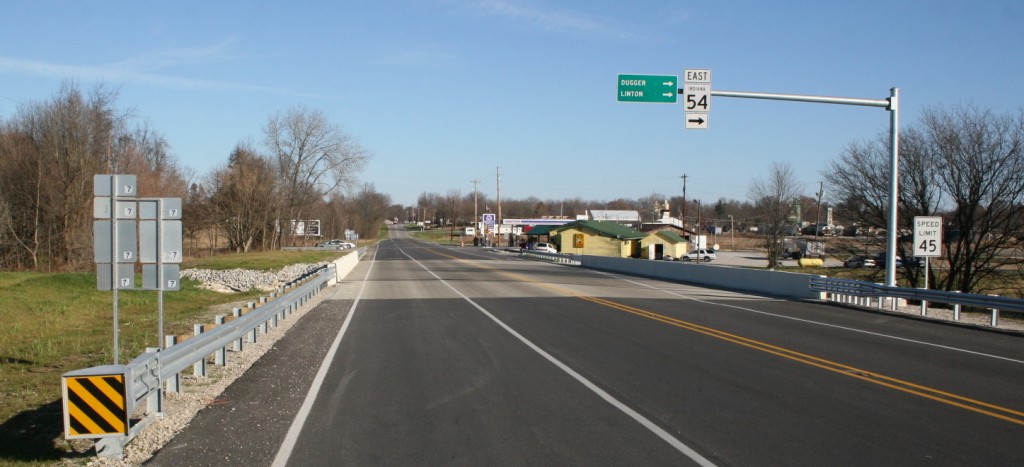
[(964, 164), (50, 150)]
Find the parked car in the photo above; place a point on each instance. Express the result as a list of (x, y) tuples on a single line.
[(910, 262), (700, 255), (336, 244), (880, 260), (859, 262), (545, 247)]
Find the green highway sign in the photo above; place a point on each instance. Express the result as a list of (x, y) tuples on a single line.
[(647, 88)]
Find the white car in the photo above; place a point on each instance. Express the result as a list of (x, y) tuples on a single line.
[(545, 247), (336, 244), (700, 255)]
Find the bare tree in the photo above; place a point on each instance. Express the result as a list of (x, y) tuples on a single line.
[(21, 201), (452, 202), (858, 181), (369, 208), (980, 157), (314, 157), (964, 165), (431, 207), (54, 148), (772, 197), (242, 197)]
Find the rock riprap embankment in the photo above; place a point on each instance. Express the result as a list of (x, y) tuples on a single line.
[(242, 280)]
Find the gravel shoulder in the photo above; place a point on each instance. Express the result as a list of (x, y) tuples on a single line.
[(197, 393)]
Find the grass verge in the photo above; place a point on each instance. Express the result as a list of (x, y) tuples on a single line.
[(56, 323)]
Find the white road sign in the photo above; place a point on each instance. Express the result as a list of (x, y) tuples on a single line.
[(696, 121), (928, 236), (698, 97), (697, 76)]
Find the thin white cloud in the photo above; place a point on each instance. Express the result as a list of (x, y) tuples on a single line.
[(144, 69), (551, 19), (213, 53)]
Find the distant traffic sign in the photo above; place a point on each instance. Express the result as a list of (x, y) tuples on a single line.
[(647, 88)]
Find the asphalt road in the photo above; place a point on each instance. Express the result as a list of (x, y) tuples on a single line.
[(431, 355)]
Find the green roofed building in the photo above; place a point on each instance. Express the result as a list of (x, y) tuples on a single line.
[(598, 238), (662, 243)]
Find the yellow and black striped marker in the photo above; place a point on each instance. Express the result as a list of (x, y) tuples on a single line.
[(95, 406)]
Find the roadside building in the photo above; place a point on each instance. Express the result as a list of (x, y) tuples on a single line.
[(540, 233), (598, 238), (664, 243)]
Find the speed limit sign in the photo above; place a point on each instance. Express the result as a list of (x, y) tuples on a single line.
[(928, 236)]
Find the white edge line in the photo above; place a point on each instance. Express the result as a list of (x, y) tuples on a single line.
[(646, 423), (288, 444)]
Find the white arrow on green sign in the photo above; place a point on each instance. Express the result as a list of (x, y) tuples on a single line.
[(647, 88)]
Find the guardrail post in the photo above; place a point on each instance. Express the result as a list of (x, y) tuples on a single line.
[(924, 307), (956, 309), (221, 357), (199, 367), (995, 314), (237, 313), (173, 383)]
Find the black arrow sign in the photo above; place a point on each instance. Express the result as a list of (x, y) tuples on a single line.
[(699, 120)]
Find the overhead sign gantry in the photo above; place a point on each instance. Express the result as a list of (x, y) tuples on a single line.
[(697, 107)]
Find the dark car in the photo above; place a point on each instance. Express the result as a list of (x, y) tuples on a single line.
[(859, 262), (880, 260)]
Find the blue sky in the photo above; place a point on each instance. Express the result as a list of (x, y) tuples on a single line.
[(442, 92)]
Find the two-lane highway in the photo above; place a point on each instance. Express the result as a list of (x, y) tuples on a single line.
[(463, 356)]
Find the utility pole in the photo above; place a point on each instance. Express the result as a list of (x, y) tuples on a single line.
[(498, 199), (684, 201), (817, 216), (698, 216), (476, 220), (732, 231)]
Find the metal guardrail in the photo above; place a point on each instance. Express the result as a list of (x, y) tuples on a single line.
[(146, 374), (560, 258), (863, 293)]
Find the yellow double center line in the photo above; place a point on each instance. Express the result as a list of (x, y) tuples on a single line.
[(973, 405)]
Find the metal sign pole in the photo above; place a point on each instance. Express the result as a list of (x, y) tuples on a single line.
[(160, 272), (113, 262), (926, 271), (892, 105), (894, 168)]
